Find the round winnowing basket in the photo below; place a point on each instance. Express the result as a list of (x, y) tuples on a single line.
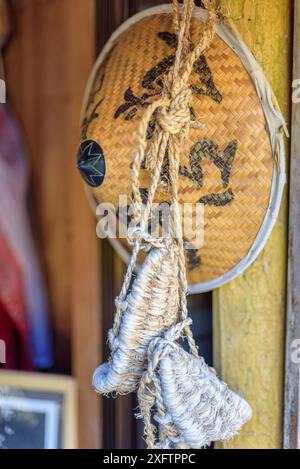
[(232, 164)]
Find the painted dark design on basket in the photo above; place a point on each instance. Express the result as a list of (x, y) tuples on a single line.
[(193, 259), (152, 82), (223, 159), (88, 119), (97, 87), (218, 199), (94, 112), (206, 148)]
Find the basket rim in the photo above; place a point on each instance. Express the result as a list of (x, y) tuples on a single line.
[(275, 122)]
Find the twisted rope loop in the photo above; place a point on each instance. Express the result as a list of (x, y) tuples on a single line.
[(173, 121)]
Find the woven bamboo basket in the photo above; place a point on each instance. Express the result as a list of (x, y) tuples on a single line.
[(233, 164)]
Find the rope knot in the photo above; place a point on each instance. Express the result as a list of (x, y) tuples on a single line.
[(177, 115), (135, 233)]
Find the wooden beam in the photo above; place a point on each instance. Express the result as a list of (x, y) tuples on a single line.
[(292, 364), (249, 312)]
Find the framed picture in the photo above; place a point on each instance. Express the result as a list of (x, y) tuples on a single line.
[(37, 411)]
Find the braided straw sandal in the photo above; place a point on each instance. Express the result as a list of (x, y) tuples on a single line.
[(150, 308), (194, 407)]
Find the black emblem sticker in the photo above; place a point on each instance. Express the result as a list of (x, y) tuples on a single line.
[(91, 163)]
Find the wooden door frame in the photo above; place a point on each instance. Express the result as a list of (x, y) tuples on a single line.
[(292, 365)]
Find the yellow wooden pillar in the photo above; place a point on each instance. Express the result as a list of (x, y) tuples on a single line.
[(249, 312)]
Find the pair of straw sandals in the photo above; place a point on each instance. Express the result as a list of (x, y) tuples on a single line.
[(192, 406)]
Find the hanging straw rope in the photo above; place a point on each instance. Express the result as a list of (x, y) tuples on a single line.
[(173, 117), (174, 121)]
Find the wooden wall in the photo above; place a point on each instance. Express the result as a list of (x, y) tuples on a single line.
[(47, 64), (249, 312)]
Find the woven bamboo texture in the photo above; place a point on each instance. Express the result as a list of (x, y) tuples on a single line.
[(227, 164)]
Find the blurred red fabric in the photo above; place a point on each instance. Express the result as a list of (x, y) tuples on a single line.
[(13, 327)]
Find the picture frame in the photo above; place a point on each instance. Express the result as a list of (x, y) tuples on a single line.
[(37, 411)]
